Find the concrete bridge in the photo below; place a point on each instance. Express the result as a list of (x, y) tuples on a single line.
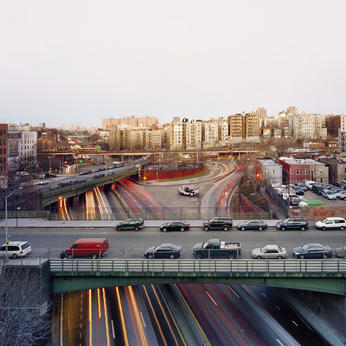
[(80, 185), (314, 275)]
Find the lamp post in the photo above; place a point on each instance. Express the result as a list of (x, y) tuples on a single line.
[(6, 227)]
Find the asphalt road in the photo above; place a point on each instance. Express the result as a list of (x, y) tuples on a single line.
[(131, 244)]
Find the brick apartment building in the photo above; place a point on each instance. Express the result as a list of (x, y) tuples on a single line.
[(294, 170)]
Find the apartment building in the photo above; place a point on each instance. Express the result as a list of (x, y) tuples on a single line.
[(268, 170), (294, 170), (177, 134), (131, 122), (252, 127), (336, 168), (3, 154), (319, 171), (236, 130), (194, 130), (308, 126), (153, 139)]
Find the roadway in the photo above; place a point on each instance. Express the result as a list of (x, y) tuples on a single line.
[(132, 244)]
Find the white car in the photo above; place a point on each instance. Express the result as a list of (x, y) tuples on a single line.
[(269, 251), (15, 249), (309, 184), (341, 195), (328, 194), (331, 223)]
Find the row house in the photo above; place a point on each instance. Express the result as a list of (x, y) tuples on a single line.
[(294, 170), (267, 170)]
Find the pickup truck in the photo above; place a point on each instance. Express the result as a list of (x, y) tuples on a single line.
[(215, 248)]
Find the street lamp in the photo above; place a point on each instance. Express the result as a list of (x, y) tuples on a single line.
[(6, 227)]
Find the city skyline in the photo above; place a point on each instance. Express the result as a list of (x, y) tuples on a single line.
[(83, 62)]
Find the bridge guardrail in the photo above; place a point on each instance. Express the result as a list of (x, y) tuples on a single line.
[(197, 266)]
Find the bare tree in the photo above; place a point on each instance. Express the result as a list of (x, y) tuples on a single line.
[(24, 319)]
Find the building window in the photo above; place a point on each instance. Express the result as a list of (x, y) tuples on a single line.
[(298, 171), (305, 171)]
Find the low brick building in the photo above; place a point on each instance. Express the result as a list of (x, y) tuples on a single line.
[(336, 168), (268, 170), (294, 170)]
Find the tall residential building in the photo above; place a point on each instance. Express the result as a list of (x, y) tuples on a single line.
[(335, 123), (292, 110), (308, 126), (194, 135), (262, 113), (236, 130), (153, 139), (136, 139), (252, 127), (132, 122), (215, 133), (3, 154), (177, 134)]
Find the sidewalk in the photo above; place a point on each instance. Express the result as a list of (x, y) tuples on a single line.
[(43, 223)]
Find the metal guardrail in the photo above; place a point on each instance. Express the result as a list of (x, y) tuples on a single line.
[(197, 266)]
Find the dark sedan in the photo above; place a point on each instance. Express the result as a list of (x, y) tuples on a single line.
[(313, 250), (130, 224), (175, 226), (293, 224), (163, 251), (257, 225)]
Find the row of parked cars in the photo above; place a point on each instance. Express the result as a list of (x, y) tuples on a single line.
[(330, 191), (213, 248), (226, 223)]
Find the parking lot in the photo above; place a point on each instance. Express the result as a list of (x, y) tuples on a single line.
[(309, 195)]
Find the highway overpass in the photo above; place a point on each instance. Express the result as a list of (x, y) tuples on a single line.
[(78, 185), (314, 275)]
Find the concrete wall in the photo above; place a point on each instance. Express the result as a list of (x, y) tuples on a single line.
[(168, 174)]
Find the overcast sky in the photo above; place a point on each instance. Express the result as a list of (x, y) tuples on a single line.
[(82, 61)]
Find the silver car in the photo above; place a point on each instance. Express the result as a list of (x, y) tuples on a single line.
[(269, 252)]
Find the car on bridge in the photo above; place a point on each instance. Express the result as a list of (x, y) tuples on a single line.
[(269, 252), (340, 252), (15, 249), (313, 250), (293, 224), (257, 225), (166, 250), (218, 223), (330, 223), (130, 224), (175, 226), (87, 247), (216, 248)]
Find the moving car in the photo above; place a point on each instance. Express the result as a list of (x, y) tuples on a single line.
[(269, 251), (293, 224), (340, 252), (313, 250), (163, 251), (189, 191), (15, 249), (331, 223), (214, 248), (175, 226), (130, 224), (218, 223), (117, 164), (87, 247), (257, 225)]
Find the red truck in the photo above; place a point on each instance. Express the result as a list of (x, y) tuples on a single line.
[(87, 247)]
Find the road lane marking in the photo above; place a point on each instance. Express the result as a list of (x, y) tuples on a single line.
[(306, 324), (232, 290), (279, 342), (211, 298), (145, 326), (277, 307), (264, 295), (106, 315), (295, 323), (113, 332)]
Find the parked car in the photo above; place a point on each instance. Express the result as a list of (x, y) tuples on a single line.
[(49, 175), (293, 224), (317, 188), (309, 184), (257, 225), (328, 194), (218, 223), (163, 251), (300, 186), (130, 224), (340, 252), (175, 226), (331, 223), (215, 248), (87, 247), (313, 250), (269, 251), (342, 195), (299, 191), (15, 249)]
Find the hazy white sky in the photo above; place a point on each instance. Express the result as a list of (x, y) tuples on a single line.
[(81, 61)]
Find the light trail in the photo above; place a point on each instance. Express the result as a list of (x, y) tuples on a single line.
[(155, 316), (90, 319), (106, 315), (90, 205), (99, 302), (126, 340)]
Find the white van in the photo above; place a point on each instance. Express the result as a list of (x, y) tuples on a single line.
[(15, 249), (309, 184), (331, 223)]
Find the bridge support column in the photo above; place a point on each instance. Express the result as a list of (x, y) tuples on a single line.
[(75, 202)]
